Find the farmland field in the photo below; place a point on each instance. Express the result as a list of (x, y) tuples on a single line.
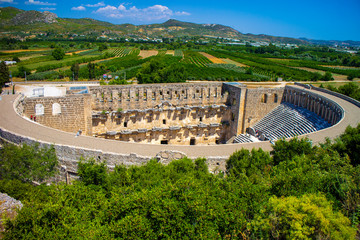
[(201, 62), (170, 52), (191, 57), (229, 61), (121, 52), (178, 53), (148, 53), (333, 84), (212, 58), (64, 61), (341, 67), (24, 50)]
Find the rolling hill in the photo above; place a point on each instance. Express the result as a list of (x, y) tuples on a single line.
[(15, 22)]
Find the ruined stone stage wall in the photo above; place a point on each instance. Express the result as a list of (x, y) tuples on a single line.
[(180, 113), (146, 96), (70, 113), (180, 125), (260, 102)]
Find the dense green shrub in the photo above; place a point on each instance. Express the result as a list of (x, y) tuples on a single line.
[(306, 217), (300, 191), (27, 163)]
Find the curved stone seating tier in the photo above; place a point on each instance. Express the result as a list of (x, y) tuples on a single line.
[(242, 138), (285, 121)]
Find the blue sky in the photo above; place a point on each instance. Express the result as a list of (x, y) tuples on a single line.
[(315, 19)]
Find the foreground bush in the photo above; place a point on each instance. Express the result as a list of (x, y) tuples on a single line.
[(307, 217), (300, 192)]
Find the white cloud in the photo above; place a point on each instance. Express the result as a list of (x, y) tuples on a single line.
[(33, 2), (48, 9), (99, 4), (79, 8), (182, 13), (155, 12)]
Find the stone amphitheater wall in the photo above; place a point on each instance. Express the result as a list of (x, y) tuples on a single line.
[(327, 109), (78, 108), (149, 95), (183, 114), (180, 125), (260, 102), (339, 95), (70, 113)]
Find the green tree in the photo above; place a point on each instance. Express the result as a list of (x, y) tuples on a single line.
[(22, 70), (92, 70), (91, 173), (327, 77), (16, 59), (27, 163), (156, 71), (308, 217), (285, 150), (349, 144), (58, 53), (75, 68), (102, 47), (4, 74), (352, 75), (250, 164), (316, 76), (350, 89)]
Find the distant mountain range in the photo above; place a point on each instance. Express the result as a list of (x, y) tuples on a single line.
[(17, 22)]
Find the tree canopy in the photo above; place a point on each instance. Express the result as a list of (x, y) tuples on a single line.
[(158, 71), (58, 53), (4, 74), (27, 163), (299, 192)]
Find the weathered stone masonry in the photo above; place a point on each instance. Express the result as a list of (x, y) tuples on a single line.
[(234, 103), (180, 114), (145, 96), (73, 114)]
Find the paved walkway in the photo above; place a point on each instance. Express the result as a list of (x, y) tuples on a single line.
[(10, 121)]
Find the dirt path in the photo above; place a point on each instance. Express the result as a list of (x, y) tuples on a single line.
[(341, 67), (80, 51)]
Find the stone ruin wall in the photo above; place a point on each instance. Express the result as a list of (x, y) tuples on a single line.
[(73, 112), (180, 113), (126, 97), (76, 114), (180, 125), (327, 109), (236, 101), (259, 102)]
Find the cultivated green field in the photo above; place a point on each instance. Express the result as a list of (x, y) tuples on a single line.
[(234, 63)]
